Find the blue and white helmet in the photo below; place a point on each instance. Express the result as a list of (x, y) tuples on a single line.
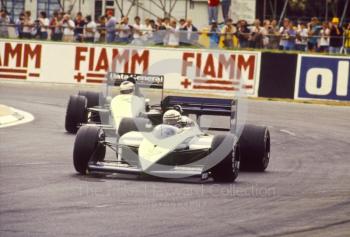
[(172, 117)]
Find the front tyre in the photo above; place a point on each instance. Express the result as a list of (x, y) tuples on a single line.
[(254, 145), (88, 147), (227, 169)]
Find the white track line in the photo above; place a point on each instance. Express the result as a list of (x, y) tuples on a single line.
[(19, 117)]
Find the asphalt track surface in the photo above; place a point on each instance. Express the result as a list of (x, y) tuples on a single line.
[(305, 191)]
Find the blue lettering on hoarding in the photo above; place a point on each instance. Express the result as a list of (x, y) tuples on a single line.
[(324, 78)]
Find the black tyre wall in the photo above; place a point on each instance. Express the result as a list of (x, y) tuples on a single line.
[(76, 113)]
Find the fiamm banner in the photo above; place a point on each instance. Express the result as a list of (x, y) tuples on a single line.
[(183, 69)]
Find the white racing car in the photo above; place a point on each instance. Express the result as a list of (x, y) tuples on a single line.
[(175, 146), (95, 108)]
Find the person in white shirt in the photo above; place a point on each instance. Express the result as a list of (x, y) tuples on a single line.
[(148, 33), (138, 31), (173, 34), (323, 42), (68, 28), (27, 25), (123, 30), (44, 23), (301, 37), (89, 30)]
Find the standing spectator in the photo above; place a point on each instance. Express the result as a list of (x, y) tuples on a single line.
[(44, 23), (347, 38), (163, 30), (160, 31), (138, 31), (301, 37), (159, 23), (214, 35), (336, 34), (283, 34), (228, 32), (90, 30), (324, 38), (124, 30), (273, 35), (243, 33), (111, 27), (225, 7), (102, 28), (79, 27), (19, 25), (288, 36), (27, 25), (148, 33), (314, 32), (190, 33), (4, 22), (266, 32), (213, 6), (68, 28), (255, 39), (182, 25), (55, 25), (173, 34)]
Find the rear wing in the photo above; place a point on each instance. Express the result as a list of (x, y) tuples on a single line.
[(141, 80), (204, 106)]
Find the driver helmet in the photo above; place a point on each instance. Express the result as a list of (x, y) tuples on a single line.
[(172, 117), (127, 87)]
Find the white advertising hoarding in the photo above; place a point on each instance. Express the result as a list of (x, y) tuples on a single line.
[(183, 69)]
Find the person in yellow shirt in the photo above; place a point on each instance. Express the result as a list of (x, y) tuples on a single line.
[(228, 32), (347, 38)]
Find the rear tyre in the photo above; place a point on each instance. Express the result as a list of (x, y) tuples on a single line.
[(88, 147), (76, 113), (134, 124), (254, 145), (227, 169), (93, 99)]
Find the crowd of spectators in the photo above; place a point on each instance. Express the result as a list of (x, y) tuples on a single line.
[(312, 36)]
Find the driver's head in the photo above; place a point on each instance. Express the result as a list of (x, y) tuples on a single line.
[(172, 117), (127, 87)]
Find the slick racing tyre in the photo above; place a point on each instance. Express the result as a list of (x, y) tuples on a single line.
[(227, 169), (76, 113), (134, 124), (88, 147), (254, 146), (93, 99)]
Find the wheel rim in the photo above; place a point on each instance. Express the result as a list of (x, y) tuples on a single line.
[(266, 158)]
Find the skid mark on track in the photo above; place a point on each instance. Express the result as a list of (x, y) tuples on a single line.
[(316, 228)]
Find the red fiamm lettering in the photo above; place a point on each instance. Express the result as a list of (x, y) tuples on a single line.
[(102, 62), (248, 64), (198, 65), (91, 59), (226, 64), (209, 68), (140, 59), (14, 53), (122, 58), (79, 57), (186, 63), (32, 54)]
